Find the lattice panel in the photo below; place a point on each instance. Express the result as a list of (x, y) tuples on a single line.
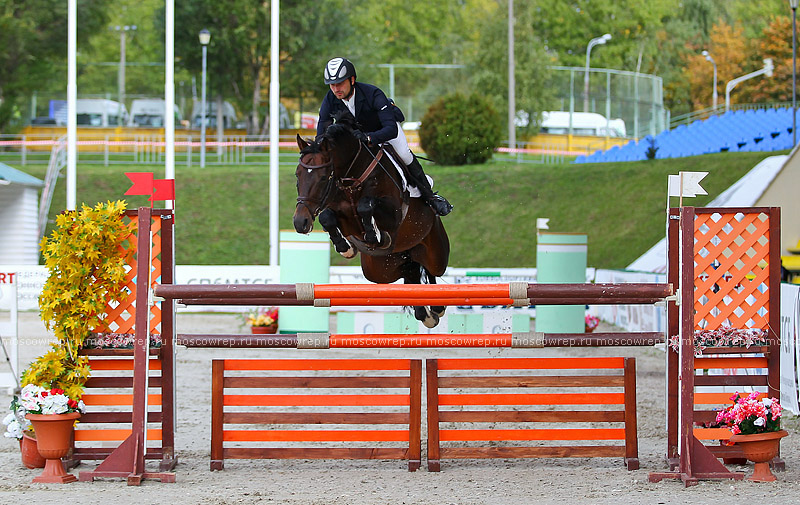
[(731, 258), (120, 318)]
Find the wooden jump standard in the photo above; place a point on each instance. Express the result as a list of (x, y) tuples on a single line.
[(727, 262)]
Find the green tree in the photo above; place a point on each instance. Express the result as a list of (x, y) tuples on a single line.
[(33, 36), (239, 52), (488, 59)]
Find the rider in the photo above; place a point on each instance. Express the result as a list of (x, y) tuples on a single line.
[(379, 116)]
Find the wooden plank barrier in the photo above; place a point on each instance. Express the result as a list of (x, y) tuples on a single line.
[(267, 401), (109, 395), (579, 412)]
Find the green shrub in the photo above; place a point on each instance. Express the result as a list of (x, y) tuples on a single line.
[(460, 130)]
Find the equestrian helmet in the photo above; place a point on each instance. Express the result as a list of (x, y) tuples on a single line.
[(338, 70)]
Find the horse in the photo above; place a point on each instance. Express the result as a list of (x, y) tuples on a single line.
[(364, 206)]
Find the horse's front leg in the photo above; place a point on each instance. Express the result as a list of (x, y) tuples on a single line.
[(429, 316), (330, 224), (366, 211)]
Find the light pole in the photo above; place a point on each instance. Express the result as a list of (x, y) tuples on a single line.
[(594, 42), (793, 5), (205, 38), (714, 94), (767, 69), (121, 72)]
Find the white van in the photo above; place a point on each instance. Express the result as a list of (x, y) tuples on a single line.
[(229, 118), (150, 112), (100, 112), (90, 112), (583, 123)]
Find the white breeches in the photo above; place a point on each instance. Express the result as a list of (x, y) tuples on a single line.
[(400, 145)]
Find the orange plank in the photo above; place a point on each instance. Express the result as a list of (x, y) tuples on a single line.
[(533, 399), (562, 434), (411, 341), (316, 364), (124, 399), (315, 436), (315, 400), (748, 362), (712, 433), (120, 364), (84, 435), (413, 291), (418, 300), (528, 363), (717, 398)]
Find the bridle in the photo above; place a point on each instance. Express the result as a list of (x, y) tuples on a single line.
[(320, 204), (329, 184)]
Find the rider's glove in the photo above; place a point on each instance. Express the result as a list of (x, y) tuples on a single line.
[(361, 136)]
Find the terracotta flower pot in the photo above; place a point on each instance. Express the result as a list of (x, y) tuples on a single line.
[(54, 439), (30, 453), (760, 448), (264, 330)]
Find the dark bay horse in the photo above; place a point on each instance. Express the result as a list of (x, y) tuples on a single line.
[(364, 206)]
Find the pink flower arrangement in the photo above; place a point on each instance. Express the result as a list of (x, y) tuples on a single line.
[(749, 415), (591, 323)]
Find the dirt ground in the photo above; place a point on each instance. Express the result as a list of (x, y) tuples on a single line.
[(326, 482)]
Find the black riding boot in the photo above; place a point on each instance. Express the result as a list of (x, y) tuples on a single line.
[(437, 202)]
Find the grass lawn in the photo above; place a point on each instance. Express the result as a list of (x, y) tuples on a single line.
[(222, 211)]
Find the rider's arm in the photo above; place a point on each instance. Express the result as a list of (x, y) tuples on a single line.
[(386, 116), (325, 119)]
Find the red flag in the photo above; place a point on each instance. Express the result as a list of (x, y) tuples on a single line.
[(164, 189), (142, 183)]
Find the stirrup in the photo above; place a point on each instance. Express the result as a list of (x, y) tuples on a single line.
[(440, 205)]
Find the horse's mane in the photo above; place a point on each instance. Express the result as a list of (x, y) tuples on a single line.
[(343, 125)]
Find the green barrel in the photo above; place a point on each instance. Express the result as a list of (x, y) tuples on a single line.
[(304, 258), (561, 258)]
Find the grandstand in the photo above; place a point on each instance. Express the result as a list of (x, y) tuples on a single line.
[(740, 130)]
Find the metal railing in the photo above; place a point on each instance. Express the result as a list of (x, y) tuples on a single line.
[(138, 149), (691, 117)]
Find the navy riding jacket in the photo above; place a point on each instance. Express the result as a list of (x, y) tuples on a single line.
[(377, 115)]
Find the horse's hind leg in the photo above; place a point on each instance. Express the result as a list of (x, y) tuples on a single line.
[(329, 223)]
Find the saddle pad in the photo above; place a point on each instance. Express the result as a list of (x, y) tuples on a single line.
[(413, 192)]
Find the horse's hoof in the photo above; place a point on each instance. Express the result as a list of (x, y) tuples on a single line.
[(439, 311), (349, 254), (431, 321)]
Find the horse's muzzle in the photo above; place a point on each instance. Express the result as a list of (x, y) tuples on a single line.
[(303, 221)]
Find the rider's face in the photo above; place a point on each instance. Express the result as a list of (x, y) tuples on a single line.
[(343, 89)]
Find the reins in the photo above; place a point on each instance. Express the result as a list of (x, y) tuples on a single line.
[(348, 185)]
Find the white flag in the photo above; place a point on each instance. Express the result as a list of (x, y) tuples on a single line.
[(541, 223), (691, 184)]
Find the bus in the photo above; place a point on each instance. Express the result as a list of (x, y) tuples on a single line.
[(583, 123)]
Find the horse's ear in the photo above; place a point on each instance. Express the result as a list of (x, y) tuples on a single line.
[(301, 143), (325, 145)]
